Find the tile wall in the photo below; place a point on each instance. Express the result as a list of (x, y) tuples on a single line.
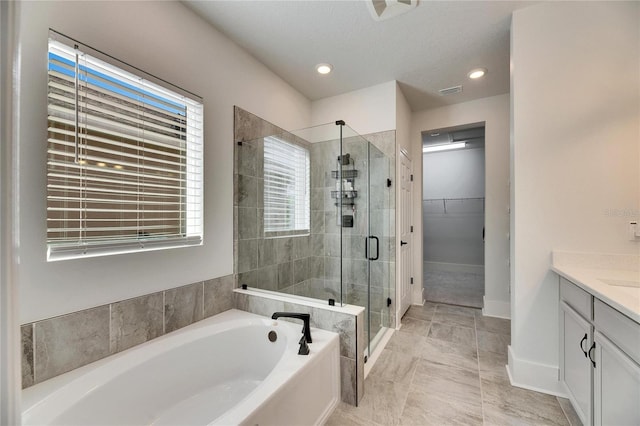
[(349, 325), (56, 345), (280, 264)]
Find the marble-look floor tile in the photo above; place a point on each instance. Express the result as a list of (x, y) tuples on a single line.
[(421, 312), (442, 395), (493, 365), (569, 411), (494, 325), (454, 319), (452, 354), (395, 367), (493, 342), (414, 326), (382, 402), (453, 383), (344, 416), (506, 404), (406, 343), (453, 333)]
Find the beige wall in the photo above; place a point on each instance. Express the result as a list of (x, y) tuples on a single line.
[(369, 110), (575, 167), (494, 112), (171, 42)]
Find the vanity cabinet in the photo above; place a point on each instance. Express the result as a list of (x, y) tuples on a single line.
[(599, 359), (576, 338), (616, 385)]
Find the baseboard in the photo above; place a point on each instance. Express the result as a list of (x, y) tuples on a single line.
[(453, 267), (496, 308), (534, 376)]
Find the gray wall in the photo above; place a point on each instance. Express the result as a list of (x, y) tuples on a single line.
[(454, 234)]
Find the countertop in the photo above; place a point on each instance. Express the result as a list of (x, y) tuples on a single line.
[(591, 271)]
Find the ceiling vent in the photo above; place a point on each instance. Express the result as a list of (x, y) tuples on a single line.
[(450, 90), (385, 9)]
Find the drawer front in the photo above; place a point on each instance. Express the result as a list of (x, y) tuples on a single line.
[(576, 297), (617, 327)]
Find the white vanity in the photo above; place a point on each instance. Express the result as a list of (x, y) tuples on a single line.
[(600, 336)]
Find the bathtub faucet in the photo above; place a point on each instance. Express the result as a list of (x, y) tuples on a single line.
[(306, 330)]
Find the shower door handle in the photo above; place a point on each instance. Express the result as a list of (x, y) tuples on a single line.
[(366, 254)]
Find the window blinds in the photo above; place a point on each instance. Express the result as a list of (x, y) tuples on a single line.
[(124, 159), (286, 187)]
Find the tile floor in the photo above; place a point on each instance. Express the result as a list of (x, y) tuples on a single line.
[(446, 366), (456, 288)]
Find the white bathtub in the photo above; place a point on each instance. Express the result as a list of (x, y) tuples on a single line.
[(221, 371)]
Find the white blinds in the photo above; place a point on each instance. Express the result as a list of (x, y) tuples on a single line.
[(124, 159), (286, 187)]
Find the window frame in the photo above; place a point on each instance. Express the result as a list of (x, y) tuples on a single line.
[(301, 219), (189, 230)]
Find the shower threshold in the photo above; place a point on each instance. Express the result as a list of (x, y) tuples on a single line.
[(378, 342)]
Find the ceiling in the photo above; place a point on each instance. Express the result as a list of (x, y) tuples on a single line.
[(432, 47)]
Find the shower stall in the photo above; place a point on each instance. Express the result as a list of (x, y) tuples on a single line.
[(316, 219)]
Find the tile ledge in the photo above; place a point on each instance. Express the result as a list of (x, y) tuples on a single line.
[(346, 309)]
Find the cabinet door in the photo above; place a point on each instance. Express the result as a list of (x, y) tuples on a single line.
[(616, 385), (575, 367)]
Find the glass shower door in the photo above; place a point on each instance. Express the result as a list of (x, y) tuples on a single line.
[(366, 216), (380, 244)]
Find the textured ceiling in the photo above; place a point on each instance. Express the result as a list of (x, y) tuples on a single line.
[(430, 48)]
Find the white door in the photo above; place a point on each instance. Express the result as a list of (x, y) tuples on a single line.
[(406, 241)]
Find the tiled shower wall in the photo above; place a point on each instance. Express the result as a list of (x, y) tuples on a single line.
[(56, 345), (282, 263)]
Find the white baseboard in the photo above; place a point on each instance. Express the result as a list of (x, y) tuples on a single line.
[(534, 376), (453, 267), (496, 308)]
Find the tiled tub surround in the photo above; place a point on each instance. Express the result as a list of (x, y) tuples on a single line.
[(206, 373), (56, 345), (347, 321)]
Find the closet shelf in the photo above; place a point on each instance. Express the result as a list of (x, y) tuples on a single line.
[(459, 201)]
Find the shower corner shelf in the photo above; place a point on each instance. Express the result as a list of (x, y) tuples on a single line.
[(345, 194), (346, 174)]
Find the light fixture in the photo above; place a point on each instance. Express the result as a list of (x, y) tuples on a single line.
[(324, 68), (101, 164), (477, 73), (385, 9), (444, 147), (118, 166)]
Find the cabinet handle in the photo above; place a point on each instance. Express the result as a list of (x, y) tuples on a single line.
[(584, 339), (591, 349)]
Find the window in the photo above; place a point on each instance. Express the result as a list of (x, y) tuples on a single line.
[(124, 157), (286, 188)]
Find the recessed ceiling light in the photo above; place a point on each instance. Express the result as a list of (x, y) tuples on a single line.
[(477, 73), (324, 68)]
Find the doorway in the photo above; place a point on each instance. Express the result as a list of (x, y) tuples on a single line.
[(453, 199)]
